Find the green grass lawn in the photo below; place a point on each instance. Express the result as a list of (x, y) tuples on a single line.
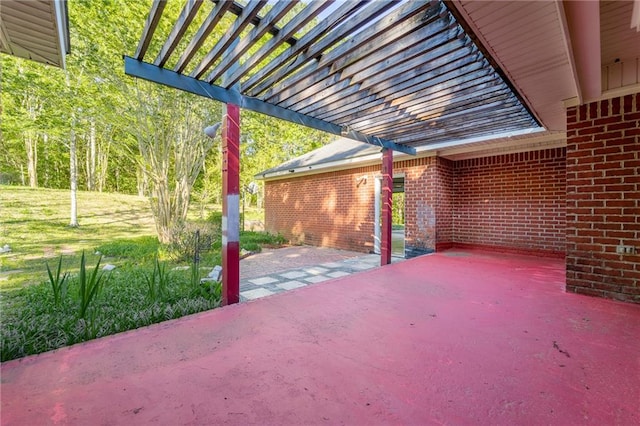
[(34, 223), (114, 228)]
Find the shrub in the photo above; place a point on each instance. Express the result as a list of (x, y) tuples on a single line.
[(189, 239)]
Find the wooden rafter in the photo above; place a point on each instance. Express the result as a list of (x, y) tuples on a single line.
[(300, 20), (189, 12), (231, 35), (239, 49), (150, 27), (316, 50), (391, 25), (203, 32)]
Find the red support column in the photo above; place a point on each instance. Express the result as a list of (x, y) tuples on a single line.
[(387, 191), (231, 205)]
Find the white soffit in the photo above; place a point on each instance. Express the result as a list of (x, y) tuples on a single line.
[(618, 40), (35, 29), (527, 40)]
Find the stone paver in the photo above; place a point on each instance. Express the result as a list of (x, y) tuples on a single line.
[(287, 269), (316, 270), (338, 274), (263, 280), (293, 274), (290, 285), (317, 279), (257, 293), (332, 265)]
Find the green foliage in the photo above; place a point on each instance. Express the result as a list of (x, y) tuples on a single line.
[(397, 209), (135, 249), (189, 239), (254, 241), (195, 274), (58, 285), (31, 324), (157, 281), (89, 285)]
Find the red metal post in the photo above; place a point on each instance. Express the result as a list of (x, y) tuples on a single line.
[(231, 205), (387, 191)]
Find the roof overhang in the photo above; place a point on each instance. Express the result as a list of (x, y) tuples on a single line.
[(400, 75), (361, 156), (36, 30)]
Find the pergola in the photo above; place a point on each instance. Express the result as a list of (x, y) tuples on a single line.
[(397, 74)]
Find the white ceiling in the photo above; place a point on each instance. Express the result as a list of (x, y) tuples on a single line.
[(533, 43)]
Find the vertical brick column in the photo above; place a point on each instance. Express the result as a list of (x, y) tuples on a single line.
[(603, 198)]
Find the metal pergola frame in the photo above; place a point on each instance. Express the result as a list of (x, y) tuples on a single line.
[(395, 74)]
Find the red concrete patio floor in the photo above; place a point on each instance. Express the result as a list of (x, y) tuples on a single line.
[(452, 338)]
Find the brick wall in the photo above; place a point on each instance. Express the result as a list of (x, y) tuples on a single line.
[(445, 202), (603, 198), (513, 201), (420, 204), (328, 210)]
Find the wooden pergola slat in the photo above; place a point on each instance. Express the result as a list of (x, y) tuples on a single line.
[(189, 12), (231, 35), (314, 97), (239, 49), (203, 32), (347, 110), (392, 25), (300, 20), (150, 27), (312, 51)]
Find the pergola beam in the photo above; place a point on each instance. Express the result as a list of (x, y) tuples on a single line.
[(307, 50), (169, 78), (345, 109), (395, 23)]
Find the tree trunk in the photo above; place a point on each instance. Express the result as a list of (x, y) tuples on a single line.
[(91, 156), (31, 146), (47, 160), (102, 166), (73, 177), (141, 181)]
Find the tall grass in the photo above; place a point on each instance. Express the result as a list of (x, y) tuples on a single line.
[(89, 285), (58, 285)]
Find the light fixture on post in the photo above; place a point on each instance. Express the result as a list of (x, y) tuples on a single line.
[(212, 131)]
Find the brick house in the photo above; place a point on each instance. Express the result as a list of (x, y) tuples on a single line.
[(576, 197)]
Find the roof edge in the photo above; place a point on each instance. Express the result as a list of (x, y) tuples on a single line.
[(506, 143)]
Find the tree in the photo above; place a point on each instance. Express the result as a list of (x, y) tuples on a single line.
[(173, 148)]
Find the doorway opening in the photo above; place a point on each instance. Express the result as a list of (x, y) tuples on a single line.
[(397, 216)]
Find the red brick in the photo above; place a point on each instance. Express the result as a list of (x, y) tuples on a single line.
[(615, 106), (591, 241)]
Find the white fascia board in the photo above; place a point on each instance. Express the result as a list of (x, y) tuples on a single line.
[(507, 140), (62, 31)]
